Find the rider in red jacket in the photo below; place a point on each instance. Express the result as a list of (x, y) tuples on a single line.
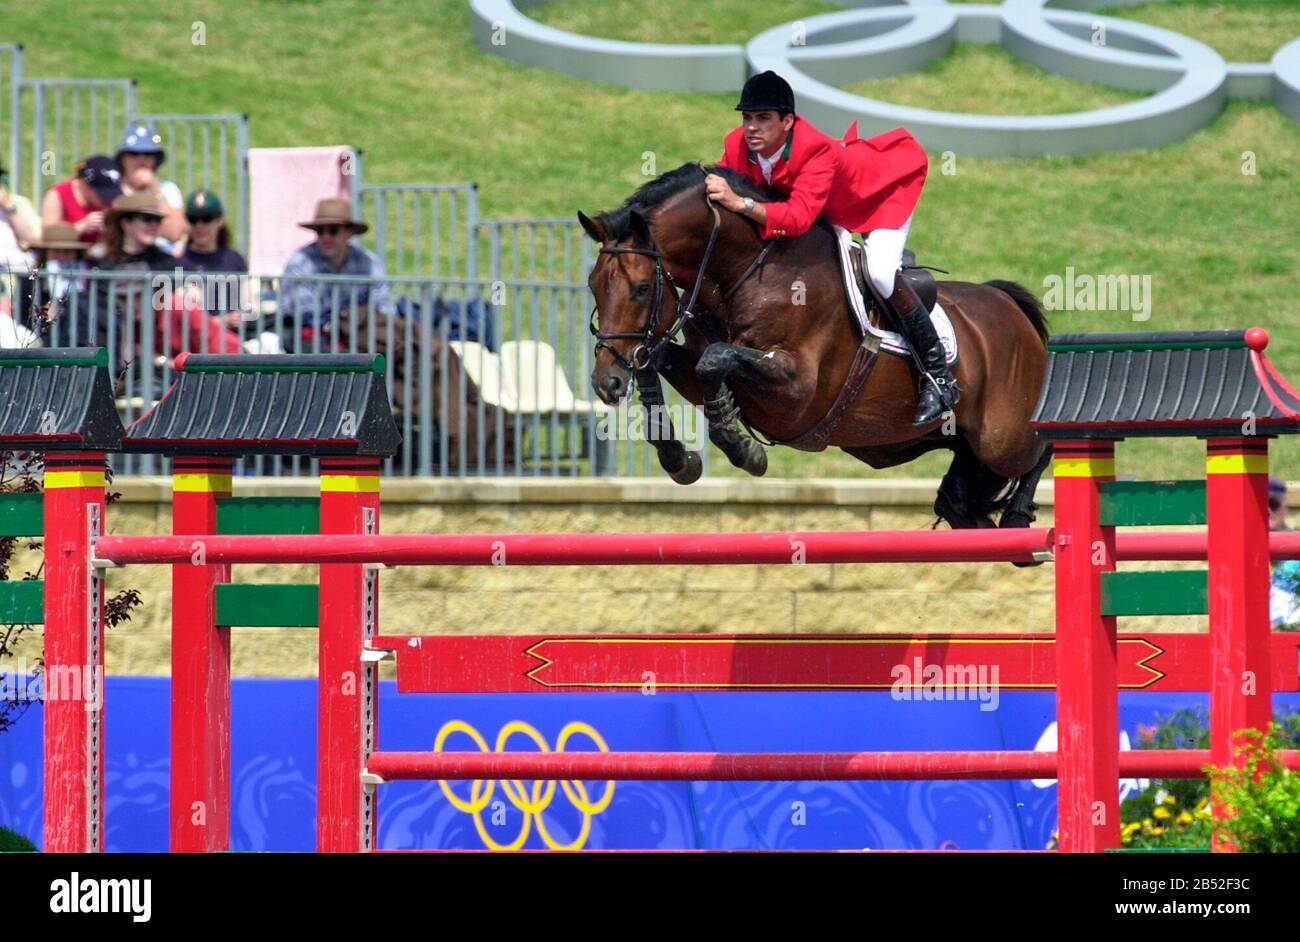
[(870, 186)]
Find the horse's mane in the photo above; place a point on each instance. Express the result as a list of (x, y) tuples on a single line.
[(661, 188)]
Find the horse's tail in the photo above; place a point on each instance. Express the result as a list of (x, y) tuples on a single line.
[(1026, 301)]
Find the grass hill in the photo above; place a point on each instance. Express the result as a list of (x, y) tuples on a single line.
[(404, 82)]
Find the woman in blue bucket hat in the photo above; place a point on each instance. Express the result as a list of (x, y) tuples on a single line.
[(139, 156)]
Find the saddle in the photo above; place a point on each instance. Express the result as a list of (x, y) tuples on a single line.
[(872, 317), (920, 279)]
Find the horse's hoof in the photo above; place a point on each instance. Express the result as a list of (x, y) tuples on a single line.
[(1015, 519), (756, 460), (690, 471)]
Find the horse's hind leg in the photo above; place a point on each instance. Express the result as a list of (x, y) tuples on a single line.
[(968, 492), (720, 409), (1021, 506)]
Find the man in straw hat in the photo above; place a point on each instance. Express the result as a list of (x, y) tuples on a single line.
[(309, 302)]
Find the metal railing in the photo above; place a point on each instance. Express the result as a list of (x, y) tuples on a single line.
[(488, 377), (67, 120), (422, 229), (552, 248), (11, 108)]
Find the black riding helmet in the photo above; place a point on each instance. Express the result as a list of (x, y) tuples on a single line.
[(767, 91)]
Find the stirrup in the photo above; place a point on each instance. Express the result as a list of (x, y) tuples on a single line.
[(946, 395)]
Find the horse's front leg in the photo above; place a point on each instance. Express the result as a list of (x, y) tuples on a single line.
[(759, 368), (676, 363), (683, 466)]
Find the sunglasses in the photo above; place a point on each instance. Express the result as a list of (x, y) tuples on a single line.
[(141, 217), (333, 229), (195, 220)]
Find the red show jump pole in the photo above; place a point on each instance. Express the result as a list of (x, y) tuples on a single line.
[(348, 686), (74, 654), (200, 709), (701, 549), (768, 766), (574, 549), (1087, 699)]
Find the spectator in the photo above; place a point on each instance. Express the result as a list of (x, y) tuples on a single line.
[(208, 251), (139, 158), (82, 200), (19, 226), (208, 248), (317, 301), (1284, 596), (130, 236), (55, 295), (129, 244)]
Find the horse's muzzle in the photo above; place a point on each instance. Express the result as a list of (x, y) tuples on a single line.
[(611, 382)]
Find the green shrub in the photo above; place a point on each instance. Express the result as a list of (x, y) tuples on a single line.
[(1174, 812), (1263, 796), (11, 841)]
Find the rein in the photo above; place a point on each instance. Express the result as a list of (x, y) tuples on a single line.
[(645, 352)]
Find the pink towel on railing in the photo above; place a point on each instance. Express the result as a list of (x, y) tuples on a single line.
[(284, 184)]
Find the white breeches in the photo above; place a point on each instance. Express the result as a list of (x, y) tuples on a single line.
[(885, 256)]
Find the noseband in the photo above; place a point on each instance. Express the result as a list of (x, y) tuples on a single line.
[(644, 353)]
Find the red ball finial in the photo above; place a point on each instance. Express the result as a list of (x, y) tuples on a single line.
[(1257, 338)]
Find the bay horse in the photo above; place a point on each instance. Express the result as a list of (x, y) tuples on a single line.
[(768, 338)]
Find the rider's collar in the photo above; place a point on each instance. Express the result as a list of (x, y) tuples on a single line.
[(785, 152)]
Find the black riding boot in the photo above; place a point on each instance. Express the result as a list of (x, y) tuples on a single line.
[(938, 389)]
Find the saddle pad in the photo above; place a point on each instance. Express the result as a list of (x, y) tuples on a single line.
[(890, 341)]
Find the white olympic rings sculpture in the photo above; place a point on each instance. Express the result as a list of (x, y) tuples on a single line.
[(1190, 81)]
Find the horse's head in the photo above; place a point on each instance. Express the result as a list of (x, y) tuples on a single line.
[(636, 299)]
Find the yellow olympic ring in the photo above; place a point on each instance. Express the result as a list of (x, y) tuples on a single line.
[(532, 802)]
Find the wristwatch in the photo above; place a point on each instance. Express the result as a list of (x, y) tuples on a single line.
[(749, 205)]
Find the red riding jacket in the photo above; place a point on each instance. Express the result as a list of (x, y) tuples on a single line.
[(858, 183)]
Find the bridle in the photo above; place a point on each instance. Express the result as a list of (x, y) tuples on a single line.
[(644, 353)]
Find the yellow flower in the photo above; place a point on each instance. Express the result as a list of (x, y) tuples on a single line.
[(1169, 800), (1158, 832), (1185, 818), (1160, 814)]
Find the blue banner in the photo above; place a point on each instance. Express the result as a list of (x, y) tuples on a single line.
[(273, 782)]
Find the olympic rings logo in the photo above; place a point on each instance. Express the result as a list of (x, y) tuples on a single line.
[(534, 801), (1190, 81)]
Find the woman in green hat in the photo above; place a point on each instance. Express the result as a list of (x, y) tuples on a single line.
[(209, 248)]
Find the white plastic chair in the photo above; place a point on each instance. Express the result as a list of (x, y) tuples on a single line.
[(532, 369), (484, 369)]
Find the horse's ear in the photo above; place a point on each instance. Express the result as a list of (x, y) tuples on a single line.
[(638, 226), (593, 227)]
